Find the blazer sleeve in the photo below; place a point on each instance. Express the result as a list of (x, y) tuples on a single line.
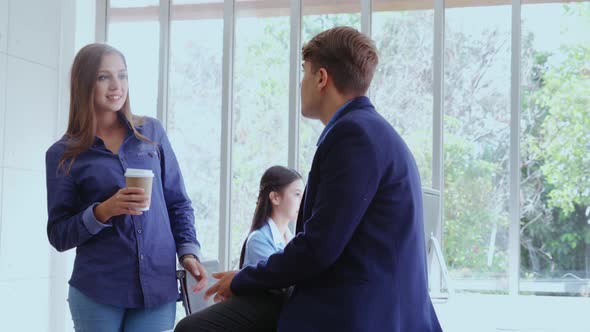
[(348, 181)]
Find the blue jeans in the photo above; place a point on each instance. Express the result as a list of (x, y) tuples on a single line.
[(89, 316)]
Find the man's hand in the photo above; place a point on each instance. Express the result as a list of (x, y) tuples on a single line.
[(194, 267), (221, 288)]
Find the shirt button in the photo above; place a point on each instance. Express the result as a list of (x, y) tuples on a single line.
[(140, 256), (139, 231)]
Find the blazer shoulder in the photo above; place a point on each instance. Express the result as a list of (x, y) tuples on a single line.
[(360, 125)]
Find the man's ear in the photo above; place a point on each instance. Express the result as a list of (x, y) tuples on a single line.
[(322, 78), (274, 197)]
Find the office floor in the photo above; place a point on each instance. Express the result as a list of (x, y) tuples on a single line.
[(464, 312)]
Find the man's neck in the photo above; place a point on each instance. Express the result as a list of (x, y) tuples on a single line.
[(332, 105)]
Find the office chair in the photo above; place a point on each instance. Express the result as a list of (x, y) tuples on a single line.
[(432, 224), (191, 301)]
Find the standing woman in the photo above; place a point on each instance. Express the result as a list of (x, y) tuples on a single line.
[(124, 273)]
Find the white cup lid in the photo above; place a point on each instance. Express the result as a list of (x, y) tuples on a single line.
[(138, 173)]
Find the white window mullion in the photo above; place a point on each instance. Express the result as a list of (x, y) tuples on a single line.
[(366, 15), (164, 18), (437, 123), (102, 18), (438, 79), (514, 237), (226, 133), (366, 25), (294, 71)]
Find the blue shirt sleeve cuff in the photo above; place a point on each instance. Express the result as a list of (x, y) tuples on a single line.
[(91, 223), (189, 248)]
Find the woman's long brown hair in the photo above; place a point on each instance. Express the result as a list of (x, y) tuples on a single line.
[(82, 119)]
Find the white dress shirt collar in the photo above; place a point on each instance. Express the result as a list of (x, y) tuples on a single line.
[(277, 237)]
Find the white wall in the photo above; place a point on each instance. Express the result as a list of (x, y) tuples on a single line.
[(36, 48)]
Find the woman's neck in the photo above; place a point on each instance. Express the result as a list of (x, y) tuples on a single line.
[(106, 122), (281, 222)]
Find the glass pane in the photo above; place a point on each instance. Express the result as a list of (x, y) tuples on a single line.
[(555, 154), (477, 145), (194, 115), (402, 86), (142, 55), (320, 15), (261, 96)]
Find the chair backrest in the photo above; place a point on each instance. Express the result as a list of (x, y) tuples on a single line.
[(432, 226), (196, 302), (431, 206)]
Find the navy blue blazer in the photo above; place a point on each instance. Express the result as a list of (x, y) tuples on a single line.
[(358, 261)]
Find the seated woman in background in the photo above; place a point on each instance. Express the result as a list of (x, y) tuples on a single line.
[(281, 190)]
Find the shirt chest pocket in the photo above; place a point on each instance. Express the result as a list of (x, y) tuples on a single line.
[(145, 159)]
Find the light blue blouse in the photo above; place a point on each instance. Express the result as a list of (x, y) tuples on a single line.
[(263, 242)]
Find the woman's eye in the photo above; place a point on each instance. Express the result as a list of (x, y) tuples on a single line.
[(122, 76)]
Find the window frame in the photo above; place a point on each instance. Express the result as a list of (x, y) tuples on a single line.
[(104, 15)]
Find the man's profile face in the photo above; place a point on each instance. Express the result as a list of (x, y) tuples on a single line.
[(309, 95)]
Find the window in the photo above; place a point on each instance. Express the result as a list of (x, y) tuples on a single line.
[(194, 110), (260, 110), (476, 113), (142, 54), (320, 15), (554, 150), (477, 143), (403, 84)]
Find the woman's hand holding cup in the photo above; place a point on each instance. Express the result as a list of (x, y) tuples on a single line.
[(125, 201)]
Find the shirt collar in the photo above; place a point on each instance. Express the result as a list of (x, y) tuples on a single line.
[(277, 237), (332, 121)]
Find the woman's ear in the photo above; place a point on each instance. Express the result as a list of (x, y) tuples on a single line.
[(274, 197)]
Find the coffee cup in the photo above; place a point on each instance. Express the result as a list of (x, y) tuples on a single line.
[(141, 178)]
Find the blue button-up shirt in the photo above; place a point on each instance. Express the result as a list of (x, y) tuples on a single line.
[(131, 260)]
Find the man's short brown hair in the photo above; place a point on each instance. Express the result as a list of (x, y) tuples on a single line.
[(348, 56)]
